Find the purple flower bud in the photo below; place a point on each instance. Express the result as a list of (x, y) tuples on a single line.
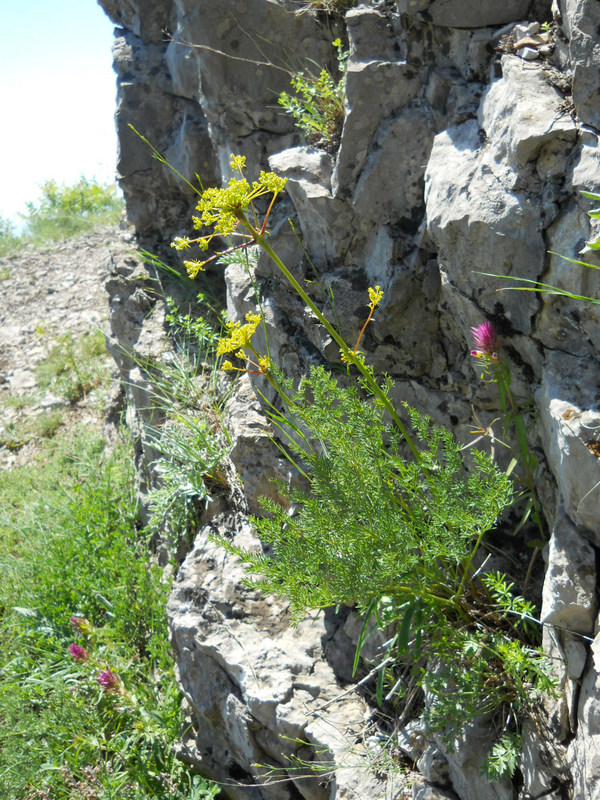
[(80, 625), (108, 681), (485, 341), (78, 653)]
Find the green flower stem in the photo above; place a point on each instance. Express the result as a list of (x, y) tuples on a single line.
[(375, 388), (468, 562), (510, 409)]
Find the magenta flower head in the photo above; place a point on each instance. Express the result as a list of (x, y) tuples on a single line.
[(78, 653), (485, 341), (109, 681)]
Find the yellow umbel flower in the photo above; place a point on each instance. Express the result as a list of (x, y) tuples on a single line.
[(375, 296), (238, 162), (181, 243), (265, 363), (194, 267), (240, 336)]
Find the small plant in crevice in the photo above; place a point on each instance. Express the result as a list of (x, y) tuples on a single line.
[(317, 104), (334, 7), (395, 520), (193, 445)]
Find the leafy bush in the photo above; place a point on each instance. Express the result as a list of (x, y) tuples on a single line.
[(397, 539), (65, 211)]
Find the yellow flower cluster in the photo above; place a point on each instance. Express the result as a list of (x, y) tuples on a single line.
[(375, 296), (226, 208), (240, 336)]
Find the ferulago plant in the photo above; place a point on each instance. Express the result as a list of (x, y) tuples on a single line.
[(393, 521)]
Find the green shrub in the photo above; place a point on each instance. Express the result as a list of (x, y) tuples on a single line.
[(9, 242), (65, 211), (398, 538)]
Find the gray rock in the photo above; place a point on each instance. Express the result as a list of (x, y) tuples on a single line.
[(269, 684), (465, 757), (567, 403), (458, 14), (479, 222), (584, 750), (569, 596), (580, 20), (543, 762), (327, 224), (374, 90), (390, 188), (425, 791)]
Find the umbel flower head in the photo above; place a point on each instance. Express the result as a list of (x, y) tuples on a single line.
[(485, 341), (230, 210)]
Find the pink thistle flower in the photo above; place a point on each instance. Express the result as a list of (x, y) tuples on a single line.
[(485, 341), (109, 681), (78, 653)]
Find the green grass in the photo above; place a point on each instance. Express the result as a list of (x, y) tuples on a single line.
[(18, 433), (74, 366), (70, 546)]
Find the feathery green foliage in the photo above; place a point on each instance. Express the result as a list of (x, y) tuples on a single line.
[(371, 518)]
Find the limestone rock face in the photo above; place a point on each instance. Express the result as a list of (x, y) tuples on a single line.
[(273, 698), (466, 144)]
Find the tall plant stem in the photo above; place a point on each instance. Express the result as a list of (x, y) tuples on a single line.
[(507, 402), (372, 383)]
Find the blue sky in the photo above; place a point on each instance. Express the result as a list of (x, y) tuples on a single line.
[(57, 95)]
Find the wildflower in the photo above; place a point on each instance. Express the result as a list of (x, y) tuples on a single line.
[(485, 341), (240, 336), (80, 625), (375, 296), (265, 363), (194, 267), (181, 243), (78, 653), (109, 681), (238, 162)]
